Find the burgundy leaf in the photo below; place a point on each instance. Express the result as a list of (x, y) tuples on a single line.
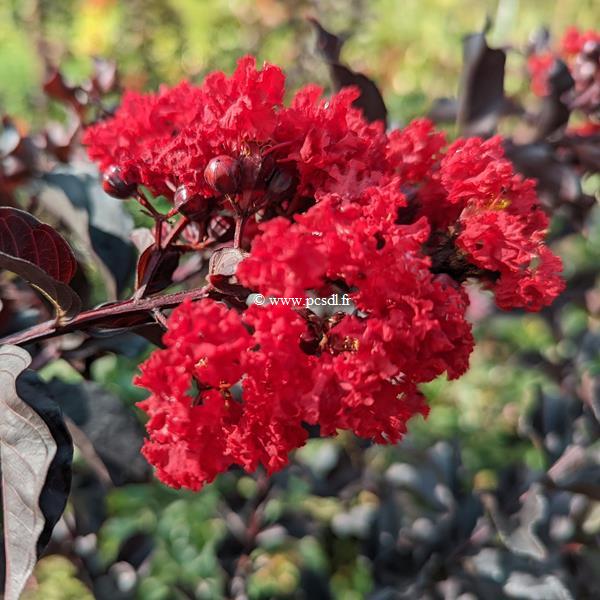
[(56, 87), (65, 300), (22, 236), (370, 100), (155, 268)]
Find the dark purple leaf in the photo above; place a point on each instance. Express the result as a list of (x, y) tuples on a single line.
[(36, 393), (328, 44), (370, 100), (554, 112), (136, 549), (22, 236), (64, 299), (558, 182), (481, 99), (519, 536), (99, 221), (155, 268), (110, 426)]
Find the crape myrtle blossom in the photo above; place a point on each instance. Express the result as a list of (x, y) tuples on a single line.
[(580, 53), (326, 202)]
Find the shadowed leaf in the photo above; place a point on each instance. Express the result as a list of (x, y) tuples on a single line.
[(99, 221), (554, 113), (110, 426), (481, 99), (370, 100), (36, 453), (64, 299), (23, 236)]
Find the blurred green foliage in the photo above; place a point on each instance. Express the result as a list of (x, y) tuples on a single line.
[(412, 49)]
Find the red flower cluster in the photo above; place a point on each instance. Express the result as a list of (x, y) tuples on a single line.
[(581, 53), (574, 41), (539, 65), (398, 221)]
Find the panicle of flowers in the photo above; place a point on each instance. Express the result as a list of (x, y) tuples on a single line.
[(323, 201), (579, 52)]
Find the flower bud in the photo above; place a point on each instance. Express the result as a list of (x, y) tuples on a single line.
[(191, 206), (223, 174), (114, 184)]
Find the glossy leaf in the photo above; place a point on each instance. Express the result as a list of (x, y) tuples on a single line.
[(38, 254), (23, 236)]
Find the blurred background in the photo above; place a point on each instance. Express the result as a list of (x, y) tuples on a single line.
[(468, 506), (411, 48)]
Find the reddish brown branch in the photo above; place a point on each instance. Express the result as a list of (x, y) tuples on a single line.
[(106, 315)]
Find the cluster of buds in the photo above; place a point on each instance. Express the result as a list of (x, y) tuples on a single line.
[(252, 181), (570, 72)]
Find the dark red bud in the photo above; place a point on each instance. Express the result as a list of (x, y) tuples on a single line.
[(223, 174), (114, 184), (189, 205)]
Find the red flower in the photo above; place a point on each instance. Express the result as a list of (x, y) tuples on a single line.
[(539, 66), (581, 53), (167, 140), (574, 40), (415, 150), (501, 225)]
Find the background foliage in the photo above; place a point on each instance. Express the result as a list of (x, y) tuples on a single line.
[(328, 520)]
